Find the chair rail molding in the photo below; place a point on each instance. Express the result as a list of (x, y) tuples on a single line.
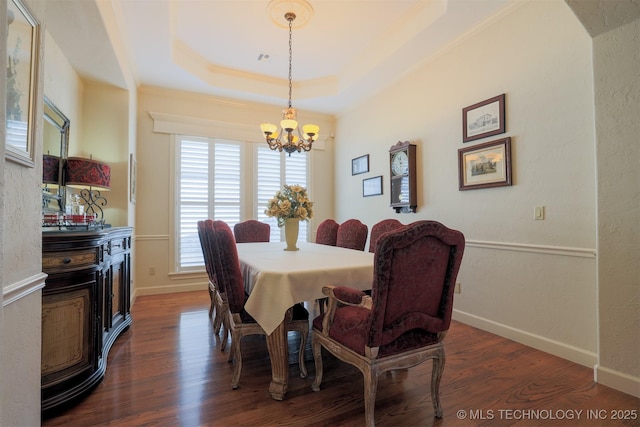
[(22, 288), (151, 237), (539, 249)]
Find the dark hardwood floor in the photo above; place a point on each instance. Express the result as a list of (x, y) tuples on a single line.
[(168, 370)]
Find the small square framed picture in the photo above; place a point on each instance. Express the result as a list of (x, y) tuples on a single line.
[(372, 186), (360, 165)]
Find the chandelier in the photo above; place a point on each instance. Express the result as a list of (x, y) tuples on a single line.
[(286, 139)]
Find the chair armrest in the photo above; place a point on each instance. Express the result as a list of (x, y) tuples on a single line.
[(345, 296), (348, 296)]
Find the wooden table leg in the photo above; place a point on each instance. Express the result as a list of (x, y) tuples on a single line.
[(278, 346)]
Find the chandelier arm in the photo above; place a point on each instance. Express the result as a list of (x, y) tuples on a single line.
[(304, 143)]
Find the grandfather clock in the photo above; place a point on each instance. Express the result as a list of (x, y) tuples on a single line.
[(402, 162)]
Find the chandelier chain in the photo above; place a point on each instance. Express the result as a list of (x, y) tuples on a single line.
[(290, 56)]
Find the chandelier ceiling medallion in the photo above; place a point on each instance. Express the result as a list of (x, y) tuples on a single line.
[(286, 139)]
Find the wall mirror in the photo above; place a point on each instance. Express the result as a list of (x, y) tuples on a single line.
[(55, 148)]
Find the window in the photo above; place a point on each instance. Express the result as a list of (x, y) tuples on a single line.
[(211, 175)]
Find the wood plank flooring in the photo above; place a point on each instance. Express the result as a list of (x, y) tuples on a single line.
[(168, 370)]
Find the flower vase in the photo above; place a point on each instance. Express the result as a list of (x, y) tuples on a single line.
[(291, 227)]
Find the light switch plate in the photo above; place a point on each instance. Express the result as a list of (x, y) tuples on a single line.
[(538, 213)]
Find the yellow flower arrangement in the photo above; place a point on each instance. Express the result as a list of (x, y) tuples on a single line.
[(291, 202)]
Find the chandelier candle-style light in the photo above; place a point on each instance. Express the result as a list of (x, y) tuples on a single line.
[(285, 139)]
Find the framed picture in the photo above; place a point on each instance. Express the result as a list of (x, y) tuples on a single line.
[(23, 41), (133, 177), (360, 165), (372, 186), (483, 119), (485, 165)]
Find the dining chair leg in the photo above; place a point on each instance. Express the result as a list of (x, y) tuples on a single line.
[(212, 305), (301, 363), (221, 313), (436, 376), (225, 336), (370, 374), (226, 326), (236, 356), (317, 358), (217, 322)]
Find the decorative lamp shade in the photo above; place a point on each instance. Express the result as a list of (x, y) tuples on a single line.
[(268, 127), (88, 173), (50, 169), (289, 125)]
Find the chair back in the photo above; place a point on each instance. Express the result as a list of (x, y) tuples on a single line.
[(205, 244), (352, 234), (415, 269), (252, 230), (382, 227), (327, 233), (226, 263)]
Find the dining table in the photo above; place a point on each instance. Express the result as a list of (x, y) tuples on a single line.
[(276, 280)]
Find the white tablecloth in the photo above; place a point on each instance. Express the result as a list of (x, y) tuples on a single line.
[(277, 279)]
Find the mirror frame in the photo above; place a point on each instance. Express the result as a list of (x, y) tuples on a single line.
[(58, 120)]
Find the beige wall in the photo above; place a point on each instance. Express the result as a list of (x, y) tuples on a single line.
[(163, 112), (617, 101), (537, 282), (3, 115), (105, 136), (20, 274), (533, 281)]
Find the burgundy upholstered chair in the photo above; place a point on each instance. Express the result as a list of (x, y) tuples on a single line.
[(252, 230), (405, 320), (217, 296), (327, 232), (352, 234), (229, 276), (382, 227)]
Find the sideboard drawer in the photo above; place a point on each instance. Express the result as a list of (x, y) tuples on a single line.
[(70, 260), (118, 245)]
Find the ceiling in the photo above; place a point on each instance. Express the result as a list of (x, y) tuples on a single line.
[(348, 50)]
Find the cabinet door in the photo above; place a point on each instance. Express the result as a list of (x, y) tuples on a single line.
[(118, 306), (69, 326)]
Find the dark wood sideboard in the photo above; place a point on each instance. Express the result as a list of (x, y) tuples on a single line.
[(86, 305)]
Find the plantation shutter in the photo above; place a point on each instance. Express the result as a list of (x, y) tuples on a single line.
[(193, 199), (296, 174), (268, 183), (226, 206)]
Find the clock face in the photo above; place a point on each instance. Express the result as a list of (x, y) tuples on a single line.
[(400, 163)]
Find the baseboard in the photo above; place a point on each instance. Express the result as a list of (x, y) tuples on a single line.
[(157, 290), (617, 380), (557, 348)]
